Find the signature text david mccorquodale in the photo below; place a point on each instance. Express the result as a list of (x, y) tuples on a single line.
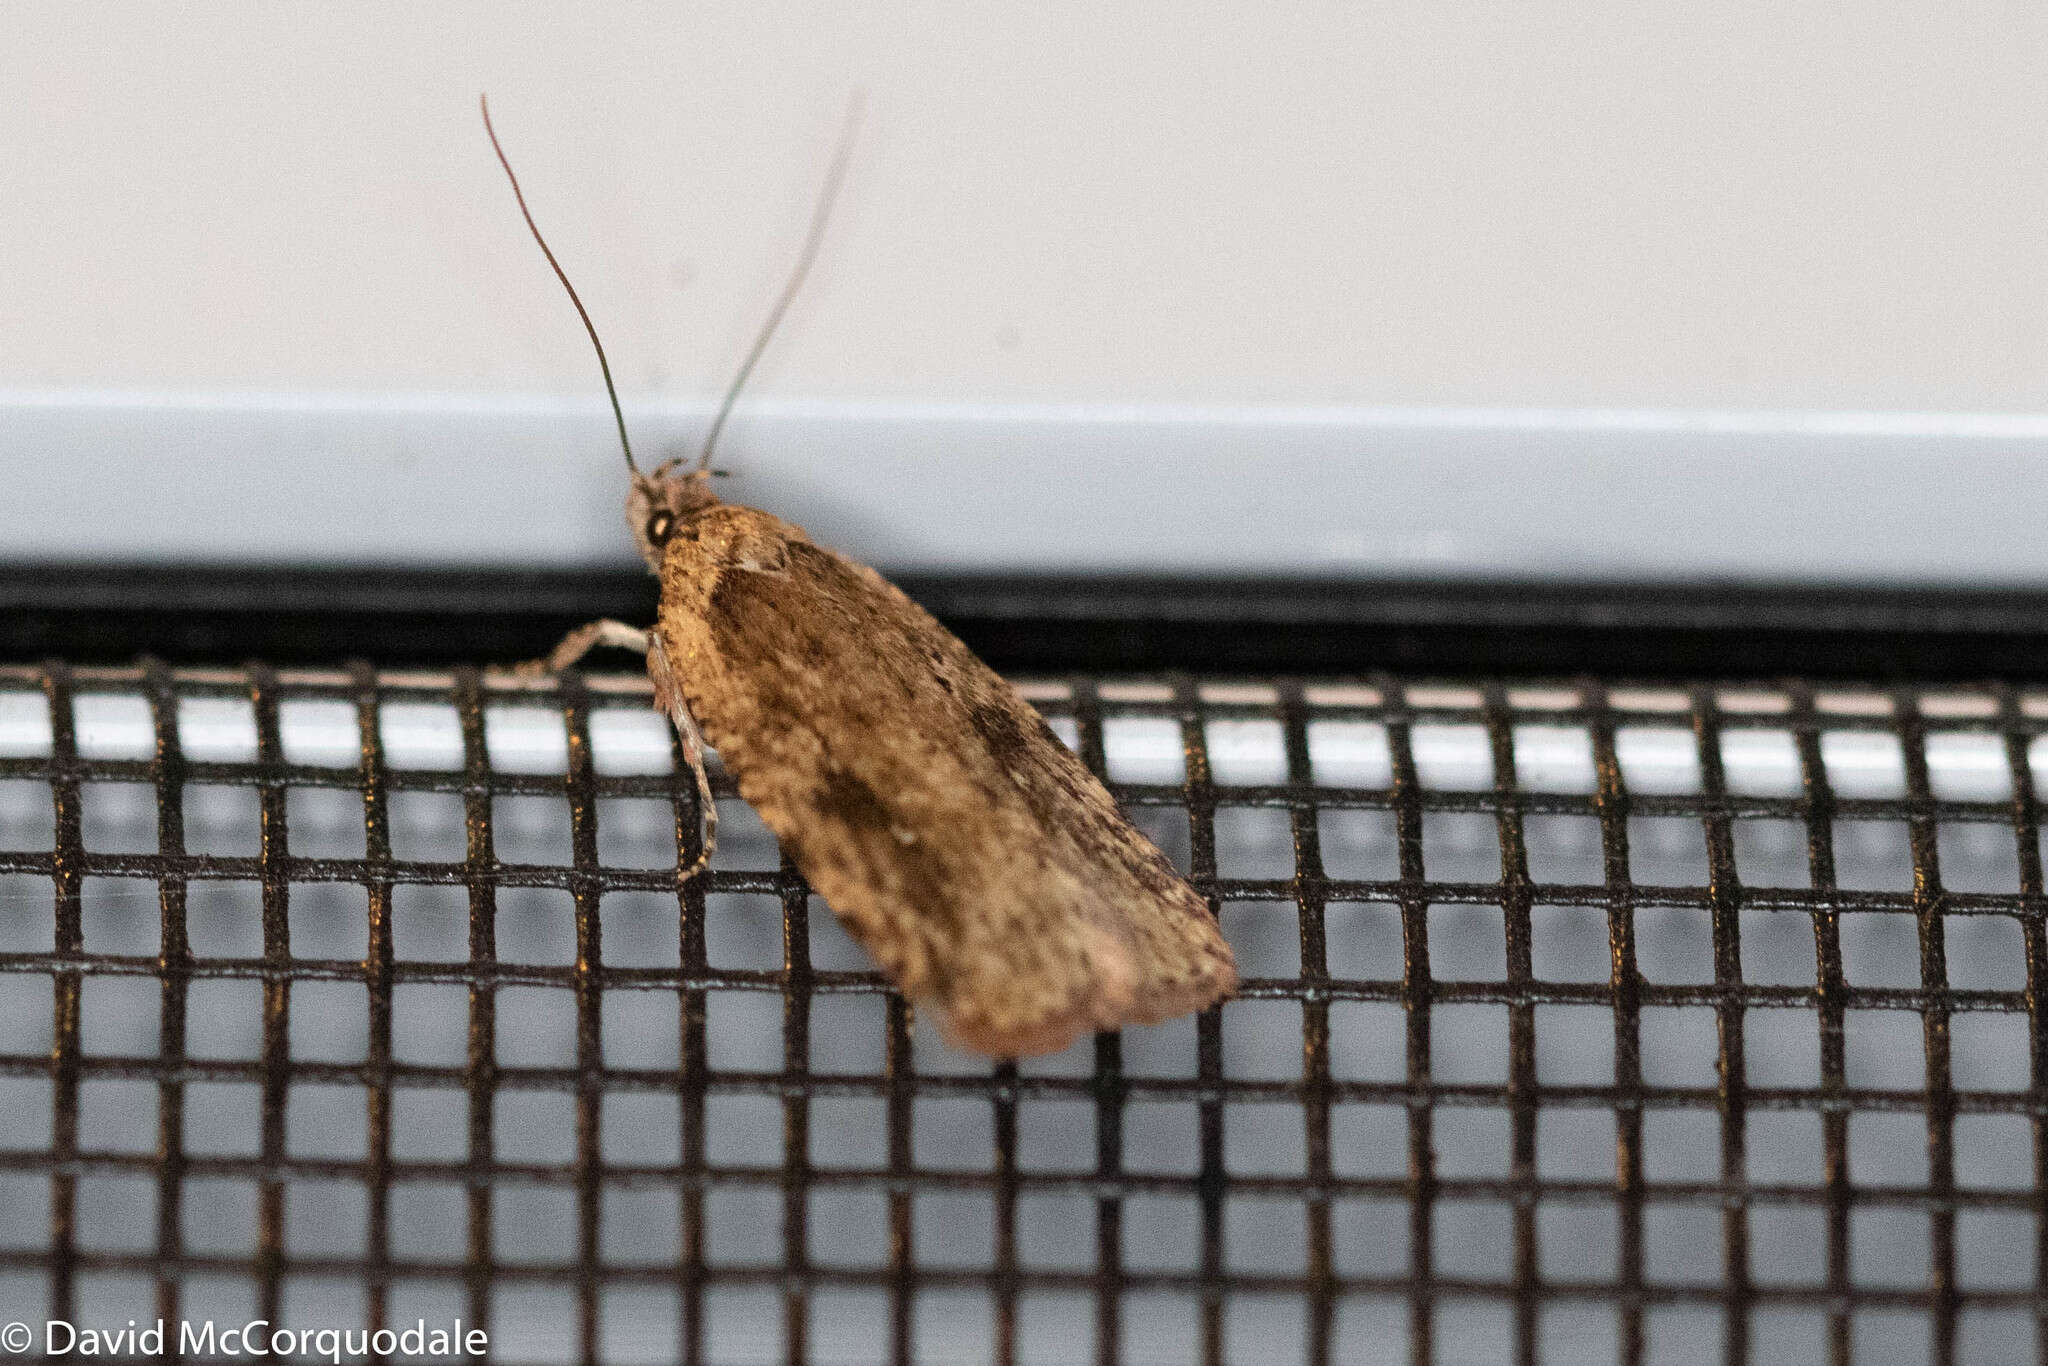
[(257, 1338)]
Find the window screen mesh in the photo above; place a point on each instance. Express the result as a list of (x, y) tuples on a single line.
[(1580, 1022)]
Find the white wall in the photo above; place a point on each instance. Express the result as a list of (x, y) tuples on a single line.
[(219, 231)]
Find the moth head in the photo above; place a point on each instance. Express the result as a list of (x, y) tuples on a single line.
[(663, 502), (661, 505)]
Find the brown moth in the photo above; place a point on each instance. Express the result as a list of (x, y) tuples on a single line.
[(962, 844)]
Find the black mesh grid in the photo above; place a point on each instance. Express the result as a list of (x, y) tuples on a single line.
[(1581, 1022)]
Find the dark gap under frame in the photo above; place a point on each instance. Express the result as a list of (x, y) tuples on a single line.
[(193, 613)]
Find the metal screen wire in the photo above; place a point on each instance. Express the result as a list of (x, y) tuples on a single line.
[(1580, 1023)]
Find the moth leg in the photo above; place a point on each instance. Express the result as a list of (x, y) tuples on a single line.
[(669, 698), (693, 755), (580, 642)]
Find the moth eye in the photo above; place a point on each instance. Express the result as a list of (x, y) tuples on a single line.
[(658, 527)]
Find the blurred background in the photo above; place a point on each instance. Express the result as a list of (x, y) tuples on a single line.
[(1584, 291)]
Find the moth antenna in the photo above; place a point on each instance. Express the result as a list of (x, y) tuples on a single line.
[(611, 390), (820, 215)]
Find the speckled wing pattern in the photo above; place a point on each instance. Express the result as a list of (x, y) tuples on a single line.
[(980, 862)]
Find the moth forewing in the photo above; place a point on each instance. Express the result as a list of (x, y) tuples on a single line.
[(986, 869)]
